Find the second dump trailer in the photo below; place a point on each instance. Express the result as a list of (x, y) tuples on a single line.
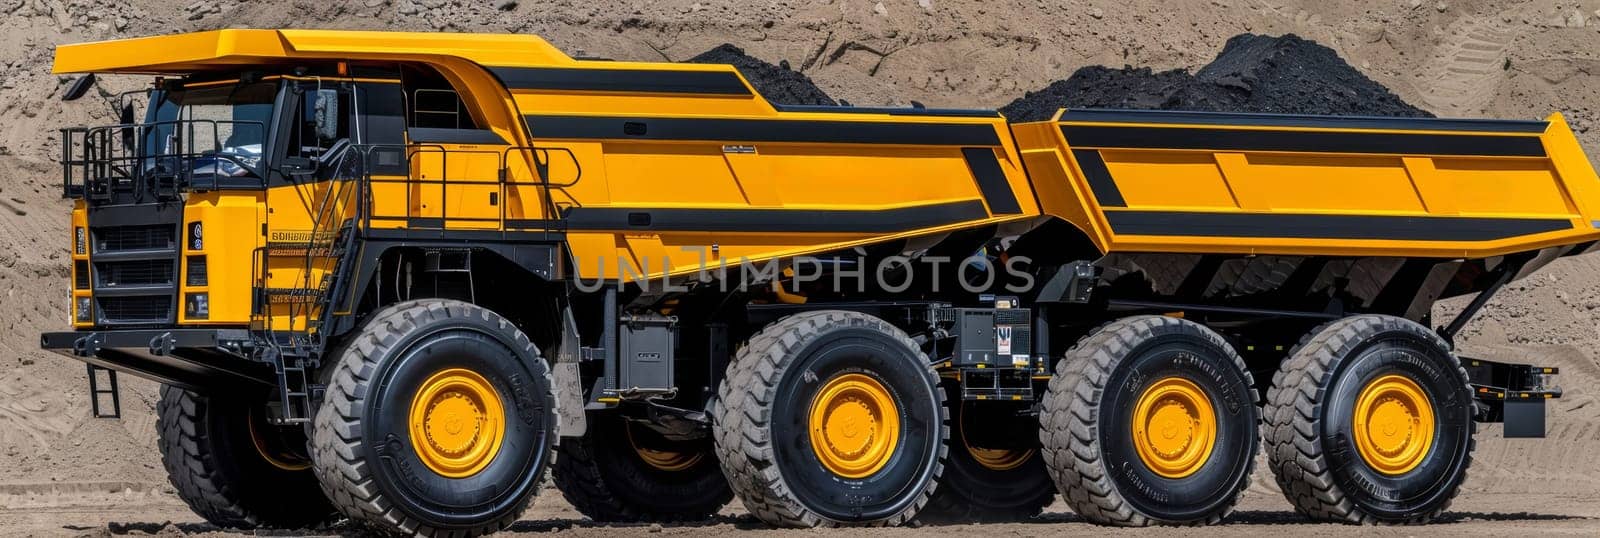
[(380, 274)]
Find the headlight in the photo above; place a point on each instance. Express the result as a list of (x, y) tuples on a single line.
[(197, 306), (84, 310), (195, 240), (196, 271)]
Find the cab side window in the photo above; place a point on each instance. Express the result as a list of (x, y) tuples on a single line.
[(437, 109), (431, 103)]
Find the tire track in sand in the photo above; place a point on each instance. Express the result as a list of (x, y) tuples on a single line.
[(1463, 72)]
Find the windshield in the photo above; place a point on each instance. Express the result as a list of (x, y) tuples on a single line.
[(221, 128)]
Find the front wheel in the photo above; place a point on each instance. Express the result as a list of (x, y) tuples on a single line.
[(1369, 421), (439, 420), (235, 469)]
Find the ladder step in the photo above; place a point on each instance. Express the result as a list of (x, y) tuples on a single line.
[(294, 390), (95, 392)]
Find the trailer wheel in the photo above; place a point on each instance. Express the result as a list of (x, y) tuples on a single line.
[(831, 418), (1151, 420), (1369, 421), (988, 484), (439, 419), (233, 468), (621, 472)]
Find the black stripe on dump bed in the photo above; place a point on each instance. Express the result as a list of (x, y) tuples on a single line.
[(1100, 182), (1300, 226), (896, 220), (992, 182), (762, 130), (421, 135), (621, 80), (892, 111), (1296, 120), (1200, 138)]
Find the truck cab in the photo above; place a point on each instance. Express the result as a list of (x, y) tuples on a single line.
[(219, 216)]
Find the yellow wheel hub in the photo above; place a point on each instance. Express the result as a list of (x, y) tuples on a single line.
[(1393, 424), (457, 423), (854, 425), (665, 460), (1174, 427)]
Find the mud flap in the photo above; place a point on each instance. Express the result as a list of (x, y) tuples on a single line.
[(570, 420), (1524, 418), (1512, 394)]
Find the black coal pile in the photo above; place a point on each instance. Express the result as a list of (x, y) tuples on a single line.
[(1253, 73), (778, 84)]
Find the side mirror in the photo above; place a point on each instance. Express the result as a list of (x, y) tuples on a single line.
[(326, 114), (298, 166), (78, 88)]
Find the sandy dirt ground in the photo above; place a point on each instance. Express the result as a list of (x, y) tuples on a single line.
[(1260, 513), (63, 473)]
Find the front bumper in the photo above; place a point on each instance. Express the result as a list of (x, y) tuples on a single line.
[(200, 360)]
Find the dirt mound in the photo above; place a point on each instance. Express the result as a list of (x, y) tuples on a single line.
[(1104, 87), (777, 83), (1253, 73), (1292, 75)]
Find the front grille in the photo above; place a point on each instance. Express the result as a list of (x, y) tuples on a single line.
[(148, 237), (135, 309), (134, 273)]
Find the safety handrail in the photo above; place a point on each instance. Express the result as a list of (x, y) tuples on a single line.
[(348, 205), (541, 169), (504, 157), (102, 160)]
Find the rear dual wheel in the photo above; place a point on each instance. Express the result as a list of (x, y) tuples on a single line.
[(831, 418), (619, 471), (995, 471), (1369, 421), (1150, 420)]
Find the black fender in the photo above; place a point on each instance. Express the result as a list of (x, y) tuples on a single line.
[(540, 257)]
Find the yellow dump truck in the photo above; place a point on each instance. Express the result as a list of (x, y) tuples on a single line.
[(380, 275)]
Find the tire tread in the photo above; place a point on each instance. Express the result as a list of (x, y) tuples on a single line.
[(1290, 426), (742, 413), (1069, 422), (338, 443)]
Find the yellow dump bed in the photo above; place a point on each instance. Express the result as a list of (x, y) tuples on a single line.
[(1160, 181)]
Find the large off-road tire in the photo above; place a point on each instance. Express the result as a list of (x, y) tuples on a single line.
[(233, 468), (438, 420), (989, 484), (1370, 421), (1151, 420), (831, 418), (621, 472)]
